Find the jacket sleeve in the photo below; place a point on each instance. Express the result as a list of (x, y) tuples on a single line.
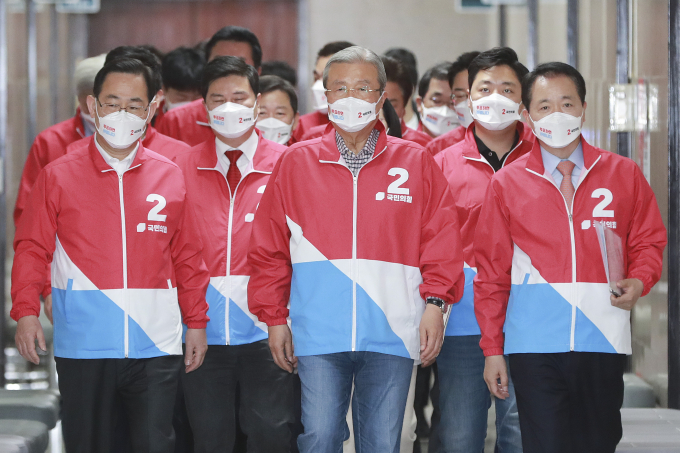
[(34, 244), (35, 162), (269, 256), (190, 270), (441, 255), (493, 256), (646, 236)]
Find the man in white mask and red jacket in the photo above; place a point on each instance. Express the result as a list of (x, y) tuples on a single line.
[(543, 295), (114, 220), (226, 177), (357, 240)]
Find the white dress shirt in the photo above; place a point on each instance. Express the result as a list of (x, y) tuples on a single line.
[(121, 166), (550, 162), (244, 163)]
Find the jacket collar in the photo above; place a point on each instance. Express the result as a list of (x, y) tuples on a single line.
[(101, 165), (329, 149), (535, 162), (149, 135)]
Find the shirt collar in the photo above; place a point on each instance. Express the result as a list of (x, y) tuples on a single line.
[(550, 161), (114, 162), (248, 147)]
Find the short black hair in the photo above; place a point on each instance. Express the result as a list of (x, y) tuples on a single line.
[(550, 70), (144, 55), (182, 69), (332, 48), (461, 64), (438, 72), (154, 50), (396, 73), (281, 69), (224, 67), (237, 34), (498, 56), (408, 59), (269, 83), (125, 65)]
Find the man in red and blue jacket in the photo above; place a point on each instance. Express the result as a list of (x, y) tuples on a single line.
[(115, 222), (357, 240), (542, 294), (226, 178), (468, 166)]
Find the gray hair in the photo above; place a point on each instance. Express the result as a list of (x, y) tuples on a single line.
[(356, 54), (85, 72)]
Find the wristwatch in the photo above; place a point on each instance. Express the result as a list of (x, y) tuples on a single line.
[(443, 306)]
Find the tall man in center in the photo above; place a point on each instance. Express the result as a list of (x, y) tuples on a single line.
[(225, 179), (357, 240)]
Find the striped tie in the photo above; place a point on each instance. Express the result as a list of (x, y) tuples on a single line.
[(567, 187)]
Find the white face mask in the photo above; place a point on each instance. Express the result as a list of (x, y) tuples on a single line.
[(495, 112), (558, 129), (173, 105), (439, 120), (320, 99), (232, 120), (275, 130), (121, 129), (464, 114), (87, 118), (352, 114)]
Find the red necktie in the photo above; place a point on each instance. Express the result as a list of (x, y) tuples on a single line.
[(567, 187), (233, 174)]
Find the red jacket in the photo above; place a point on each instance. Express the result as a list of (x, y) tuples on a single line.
[(468, 174), (224, 224), (309, 121), (188, 123), (354, 257), (49, 145), (124, 251), (445, 140), (541, 273), (421, 138), (153, 140)]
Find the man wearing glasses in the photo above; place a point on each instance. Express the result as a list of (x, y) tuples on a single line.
[(357, 241), (435, 106), (114, 221)]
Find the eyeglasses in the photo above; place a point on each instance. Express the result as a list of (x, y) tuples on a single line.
[(137, 110), (456, 98), (361, 92)]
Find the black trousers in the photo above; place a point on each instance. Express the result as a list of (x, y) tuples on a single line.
[(569, 402), (96, 393), (266, 409)]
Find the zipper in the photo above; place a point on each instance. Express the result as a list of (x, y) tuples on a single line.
[(353, 264), (229, 226), (572, 238), (126, 308)]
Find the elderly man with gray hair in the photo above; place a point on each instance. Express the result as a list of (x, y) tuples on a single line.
[(356, 242)]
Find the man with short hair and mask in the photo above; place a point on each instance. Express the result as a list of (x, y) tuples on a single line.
[(458, 80), (543, 296), (51, 143), (225, 179), (434, 102), (181, 72), (492, 141), (352, 252), (190, 124), (278, 115), (319, 117), (115, 222), (151, 138)]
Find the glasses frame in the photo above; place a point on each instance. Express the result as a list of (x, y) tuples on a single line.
[(364, 89), (145, 109)]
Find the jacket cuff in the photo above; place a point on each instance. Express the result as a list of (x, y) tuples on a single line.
[(646, 283), (24, 311), (47, 291), (493, 351), (277, 322), (197, 324)]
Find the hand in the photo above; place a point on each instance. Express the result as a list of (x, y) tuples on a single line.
[(196, 346), (48, 308), (631, 289), (29, 330), (281, 345), (431, 334), (495, 369)]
